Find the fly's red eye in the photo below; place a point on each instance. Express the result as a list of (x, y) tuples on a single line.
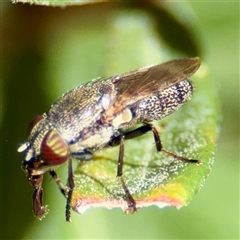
[(54, 150), (34, 122)]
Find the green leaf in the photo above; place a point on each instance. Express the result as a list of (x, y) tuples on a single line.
[(60, 3), (172, 24), (151, 177)]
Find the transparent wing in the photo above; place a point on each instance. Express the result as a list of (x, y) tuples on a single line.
[(140, 83)]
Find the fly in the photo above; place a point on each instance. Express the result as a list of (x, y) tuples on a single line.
[(98, 115)]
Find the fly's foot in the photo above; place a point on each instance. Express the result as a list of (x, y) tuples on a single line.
[(131, 208)]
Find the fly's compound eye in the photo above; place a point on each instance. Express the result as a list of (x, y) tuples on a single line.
[(34, 122), (54, 150)]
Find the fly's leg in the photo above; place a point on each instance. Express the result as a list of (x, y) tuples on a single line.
[(70, 184), (129, 135), (130, 201), (61, 187), (160, 148), (141, 131), (119, 140), (66, 191)]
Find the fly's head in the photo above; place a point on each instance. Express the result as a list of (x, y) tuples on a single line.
[(45, 147), (44, 150)]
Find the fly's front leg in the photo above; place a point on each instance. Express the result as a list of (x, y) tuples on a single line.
[(70, 184), (66, 191), (63, 189)]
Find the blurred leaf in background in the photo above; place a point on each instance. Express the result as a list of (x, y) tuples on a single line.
[(48, 51)]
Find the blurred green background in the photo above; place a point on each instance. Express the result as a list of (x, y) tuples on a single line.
[(47, 51)]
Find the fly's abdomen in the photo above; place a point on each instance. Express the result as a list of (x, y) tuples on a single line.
[(164, 102)]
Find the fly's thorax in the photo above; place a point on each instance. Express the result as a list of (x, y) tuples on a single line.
[(163, 103), (91, 139), (45, 147), (78, 113)]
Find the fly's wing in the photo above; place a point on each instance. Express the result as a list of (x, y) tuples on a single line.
[(140, 83), (86, 102)]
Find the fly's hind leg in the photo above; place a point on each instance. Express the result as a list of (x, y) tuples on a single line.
[(160, 148), (141, 131)]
